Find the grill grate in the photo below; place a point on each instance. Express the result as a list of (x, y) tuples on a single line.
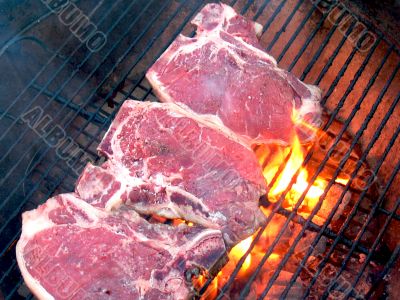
[(82, 91)]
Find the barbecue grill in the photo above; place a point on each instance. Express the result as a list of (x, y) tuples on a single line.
[(75, 83)]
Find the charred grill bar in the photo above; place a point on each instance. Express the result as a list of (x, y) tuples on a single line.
[(283, 22)]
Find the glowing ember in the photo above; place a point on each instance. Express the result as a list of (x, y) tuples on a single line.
[(271, 157), (342, 181)]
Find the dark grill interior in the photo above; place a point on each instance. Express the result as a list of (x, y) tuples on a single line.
[(44, 65)]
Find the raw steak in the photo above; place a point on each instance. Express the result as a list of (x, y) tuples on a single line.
[(71, 250), (164, 161), (223, 74)]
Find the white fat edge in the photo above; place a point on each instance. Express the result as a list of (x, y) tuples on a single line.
[(33, 222), (182, 213), (114, 141), (208, 120), (92, 212), (259, 140), (203, 235), (158, 87), (216, 42), (229, 12), (115, 144), (316, 93), (253, 49), (258, 29), (310, 104), (34, 285), (175, 189), (36, 221), (145, 105), (217, 216), (227, 15), (127, 181), (161, 180)]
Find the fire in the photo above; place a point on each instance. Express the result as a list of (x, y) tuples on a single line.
[(271, 158), (295, 161), (313, 194), (282, 182), (248, 266), (342, 181), (239, 250), (176, 222)]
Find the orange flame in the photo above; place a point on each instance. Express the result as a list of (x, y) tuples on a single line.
[(282, 182), (239, 250), (272, 157)]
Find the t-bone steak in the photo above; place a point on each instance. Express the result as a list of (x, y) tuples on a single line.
[(223, 74), (162, 160), (71, 250)]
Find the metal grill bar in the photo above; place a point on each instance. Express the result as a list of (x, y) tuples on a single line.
[(353, 82), (272, 18), (387, 213), (109, 118), (333, 56), (370, 216), (376, 243), (341, 102), (58, 113), (325, 43), (295, 34), (369, 147), (345, 225), (246, 7), (110, 93), (240, 262), (103, 121), (71, 36), (287, 22), (246, 290), (389, 265), (22, 32), (15, 288), (364, 156), (68, 103), (261, 9), (67, 80), (324, 231)]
